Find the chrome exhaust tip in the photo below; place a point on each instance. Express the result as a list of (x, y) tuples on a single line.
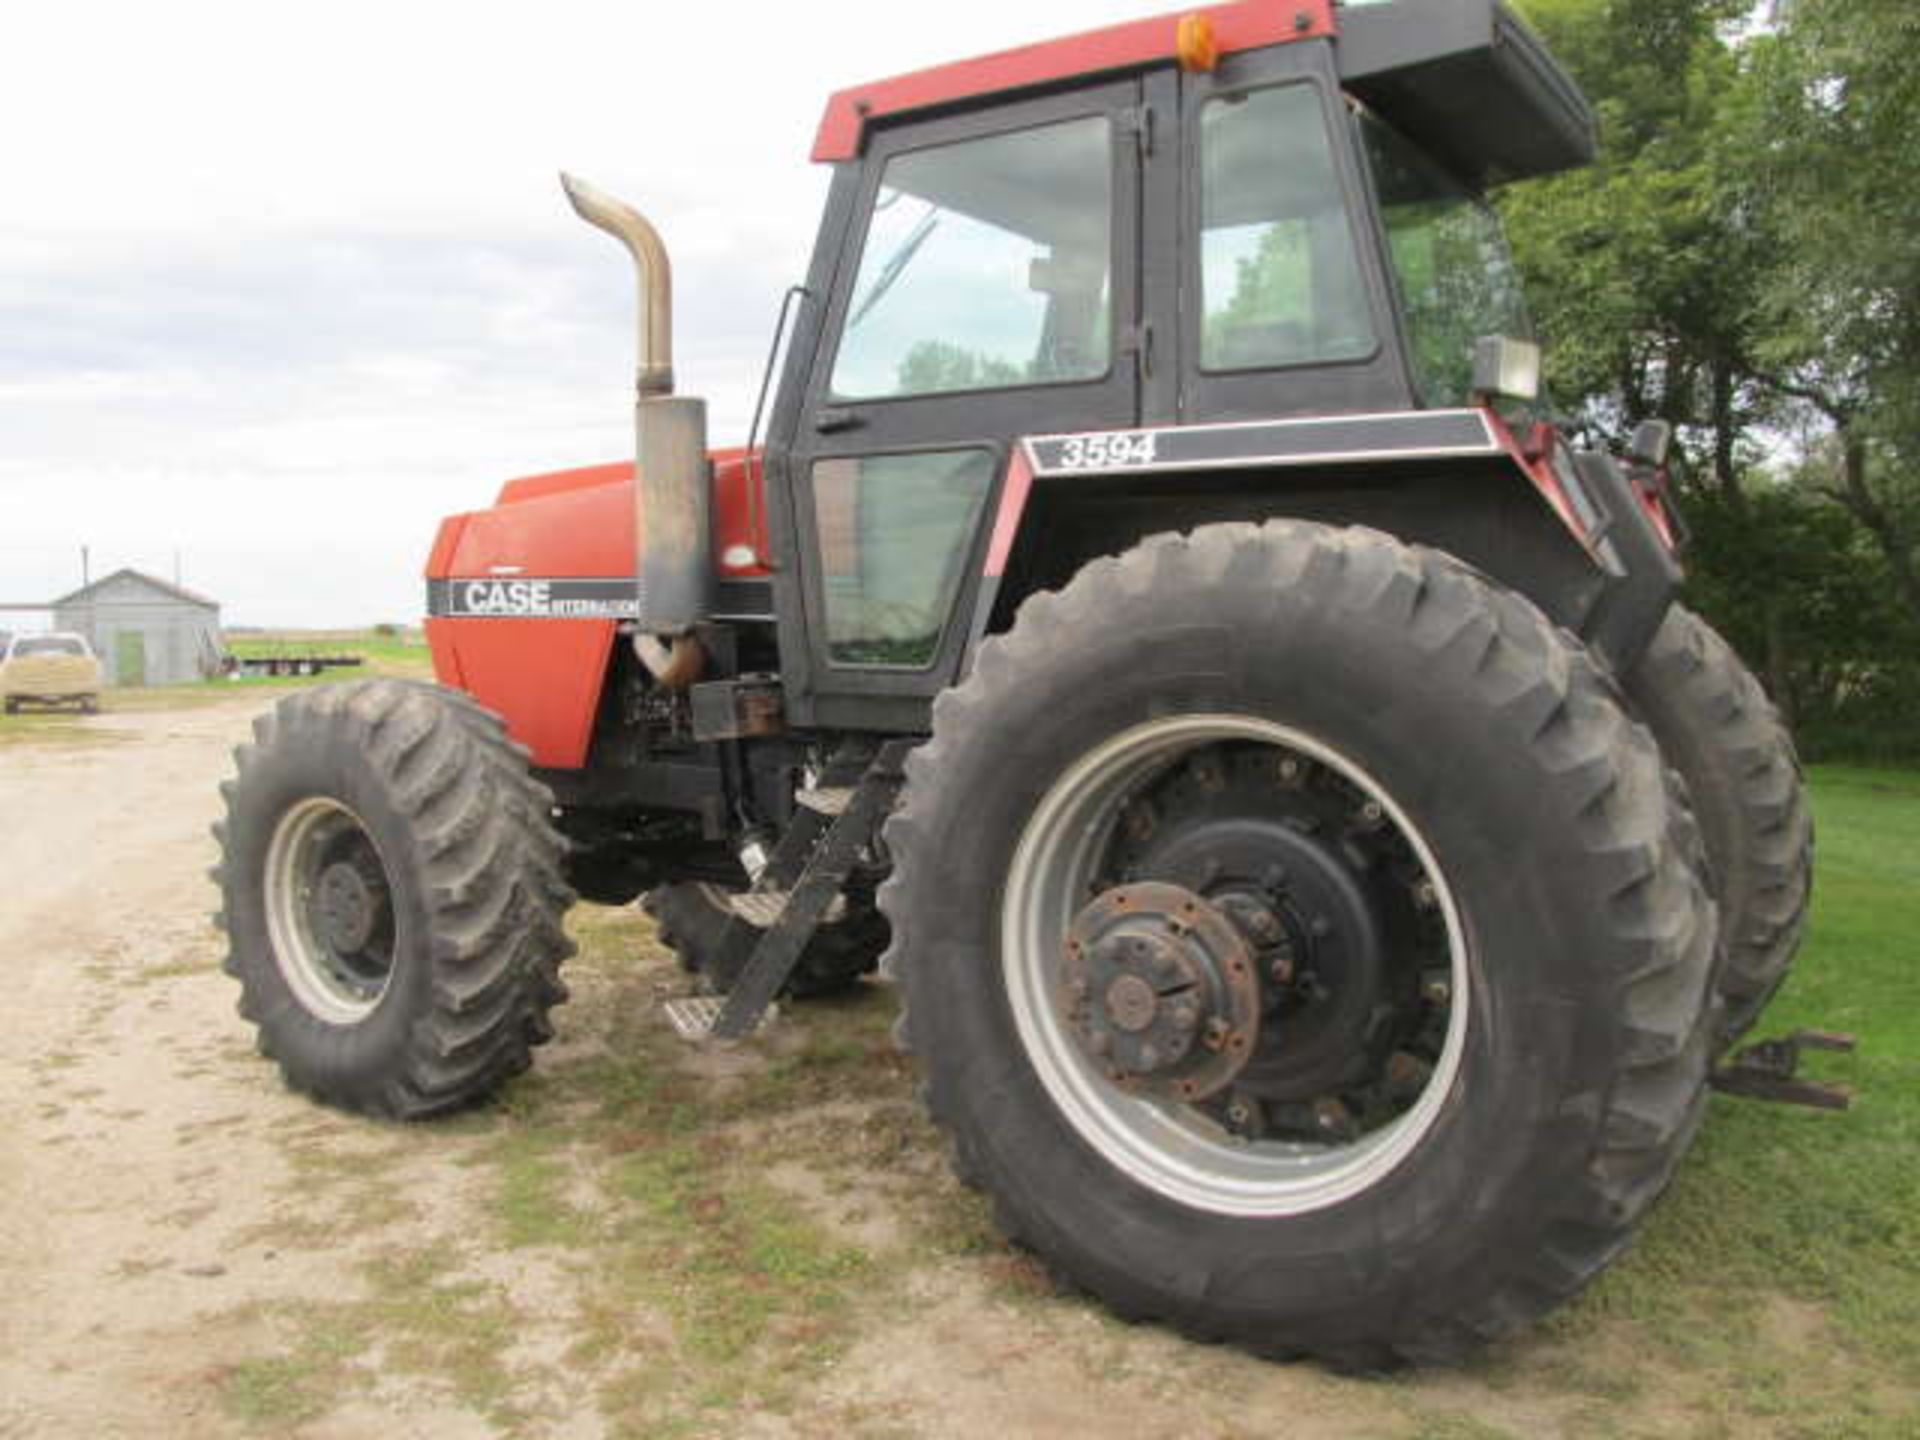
[(633, 230)]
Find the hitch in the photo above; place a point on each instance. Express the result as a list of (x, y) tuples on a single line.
[(1769, 1070)]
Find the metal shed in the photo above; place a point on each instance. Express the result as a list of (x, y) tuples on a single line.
[(145, 631)]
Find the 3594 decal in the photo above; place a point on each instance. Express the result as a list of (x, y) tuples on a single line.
[(1103, 452)]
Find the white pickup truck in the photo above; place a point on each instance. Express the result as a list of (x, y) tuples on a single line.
[(56, 669)]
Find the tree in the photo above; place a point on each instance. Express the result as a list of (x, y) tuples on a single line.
[(1829, 134), (934, 366), (1741, 262), (1639, 270)]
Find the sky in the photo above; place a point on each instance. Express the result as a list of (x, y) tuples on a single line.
[(280, 285)]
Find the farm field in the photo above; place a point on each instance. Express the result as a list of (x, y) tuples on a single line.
[(644, 1240), (387, 651)]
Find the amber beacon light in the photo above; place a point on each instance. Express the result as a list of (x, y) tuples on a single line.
[(1196, 44)]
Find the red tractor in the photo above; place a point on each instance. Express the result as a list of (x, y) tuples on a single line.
[(1319, 861)]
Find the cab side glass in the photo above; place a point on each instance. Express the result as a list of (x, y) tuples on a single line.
[(1457, 279), (894, 536), (1280, 280), (987, 264)]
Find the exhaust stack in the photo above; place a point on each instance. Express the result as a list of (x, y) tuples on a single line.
[(672, 519)]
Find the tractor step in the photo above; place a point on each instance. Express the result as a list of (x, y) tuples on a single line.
[(1769, 1070), (805, 878), (826, 799), (762, 909), (694, 1016)]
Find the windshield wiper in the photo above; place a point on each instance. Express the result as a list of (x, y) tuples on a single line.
[(896, 264)]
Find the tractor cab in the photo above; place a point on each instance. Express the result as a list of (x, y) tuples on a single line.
[(1166, 258)]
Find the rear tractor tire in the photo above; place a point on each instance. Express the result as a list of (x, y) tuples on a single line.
[(391, 890), (1301, 945), (1717, 727)]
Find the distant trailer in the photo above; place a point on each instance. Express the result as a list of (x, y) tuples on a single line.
[(282, 665)]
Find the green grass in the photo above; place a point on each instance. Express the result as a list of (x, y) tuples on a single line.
[(417, 1311), (49, 728)]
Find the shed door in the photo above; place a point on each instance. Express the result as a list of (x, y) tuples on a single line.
[(130, 657)]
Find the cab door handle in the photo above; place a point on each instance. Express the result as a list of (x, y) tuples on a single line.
[(831, 420)]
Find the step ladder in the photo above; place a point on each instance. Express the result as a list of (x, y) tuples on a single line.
[(801, 887)]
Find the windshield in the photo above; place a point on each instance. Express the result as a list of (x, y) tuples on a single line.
[(987, 264), (1457, 277), (48, 645)]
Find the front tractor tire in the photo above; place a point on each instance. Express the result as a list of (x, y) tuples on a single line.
[(1301, 946), (391, 890)]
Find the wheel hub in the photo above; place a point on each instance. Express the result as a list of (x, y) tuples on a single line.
[(347, 906), (1284, 880), (1161, 990), (330, 912)]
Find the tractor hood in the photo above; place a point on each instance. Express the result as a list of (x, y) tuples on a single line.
[(1470, 83)]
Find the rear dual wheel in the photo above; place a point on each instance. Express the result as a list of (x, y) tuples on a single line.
[(1717, 727), (1301, 945)]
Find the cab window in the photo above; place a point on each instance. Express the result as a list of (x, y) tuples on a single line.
[(1280, 280), (987, 264), (894, 533), (1457, 279)]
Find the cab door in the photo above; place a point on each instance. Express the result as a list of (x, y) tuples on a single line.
[(986, 287), (1277, 304)]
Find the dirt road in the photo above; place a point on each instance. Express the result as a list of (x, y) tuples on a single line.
[(639, 1240)]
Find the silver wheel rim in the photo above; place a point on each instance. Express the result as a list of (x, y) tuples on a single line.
[(1170, 1148), (326, 987)]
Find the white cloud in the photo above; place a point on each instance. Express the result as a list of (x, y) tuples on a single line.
[(281, 286)]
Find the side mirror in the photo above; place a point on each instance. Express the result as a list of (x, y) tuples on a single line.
[(1505, 368), (1650, 443)]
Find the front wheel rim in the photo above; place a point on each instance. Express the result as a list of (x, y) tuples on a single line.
[(1169, 1148), (329, 911)]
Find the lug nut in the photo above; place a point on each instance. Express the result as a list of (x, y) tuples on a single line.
[(1331, 1116)]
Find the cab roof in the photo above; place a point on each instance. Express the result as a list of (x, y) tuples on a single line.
[(1466, 79), (1245, 25)]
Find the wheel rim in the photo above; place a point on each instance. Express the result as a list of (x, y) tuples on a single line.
[(1182, 1151), (330, 914)]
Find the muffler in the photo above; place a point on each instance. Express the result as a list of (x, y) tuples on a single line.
[(673, 527)]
